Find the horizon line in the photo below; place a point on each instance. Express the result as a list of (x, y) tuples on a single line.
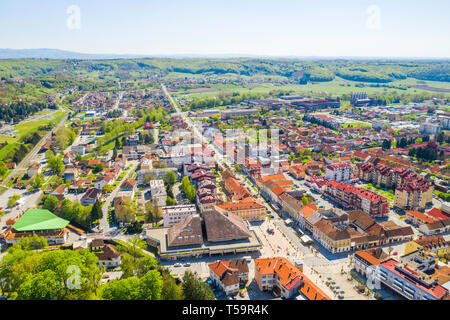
[(224, 55)]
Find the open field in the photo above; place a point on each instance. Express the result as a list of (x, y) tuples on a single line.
[(356, 124), (338, 86), (23, 129)]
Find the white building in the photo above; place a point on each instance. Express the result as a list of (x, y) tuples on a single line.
[(174, 214), (429, 128), (338, 172), (407, 283), (445, 122), (158, 192), (378, 124)]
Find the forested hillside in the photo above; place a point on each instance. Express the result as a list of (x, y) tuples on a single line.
[(376, 71)]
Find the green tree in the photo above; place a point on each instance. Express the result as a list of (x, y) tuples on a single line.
[(98, 168), (151, 285), (194, 288), (13, 200), (153, 212), (107, 188), (170, 201), (56, 164), (170, 289), (96, 212), (123, 289), (3, 168), (126, 211), (48, 274), (305, 200), (170, 178), (40, 286), (149, 177), (37, 182), (50, 203)]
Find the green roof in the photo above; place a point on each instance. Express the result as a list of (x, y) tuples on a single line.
[(39, 219)]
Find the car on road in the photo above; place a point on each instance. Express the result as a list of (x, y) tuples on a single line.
[(177, 265), (242, 295), (395, 253), (187, 264)]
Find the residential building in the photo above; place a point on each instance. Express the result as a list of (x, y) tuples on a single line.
[(34, 169), (366, 261), (229, 274), (248, 209), (408, 278), (174, 214), (331, 237), (158, 192), (91, 195), (357, 198), (435, 244), (417, 218), (284, 279), (106, 254), (338, 172)]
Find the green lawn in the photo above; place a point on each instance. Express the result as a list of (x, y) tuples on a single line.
[(389, 195), (356, 124)]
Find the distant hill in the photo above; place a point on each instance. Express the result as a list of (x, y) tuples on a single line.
[(57, 54)]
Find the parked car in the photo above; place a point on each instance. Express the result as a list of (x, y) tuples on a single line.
[(187, 264), (395, 253), (177, 265)]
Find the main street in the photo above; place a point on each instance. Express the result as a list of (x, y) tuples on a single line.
[(104, 223)]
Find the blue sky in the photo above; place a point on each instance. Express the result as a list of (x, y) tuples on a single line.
[(279, 27)]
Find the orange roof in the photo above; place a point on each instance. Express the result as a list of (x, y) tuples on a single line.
[(368, 257), (276, 177), (218, 267), (420, 216), (308, 210), (275, 187), (289, 275), (248, 203)]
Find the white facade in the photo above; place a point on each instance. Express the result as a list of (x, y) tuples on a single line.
[(407, 289), (111, 263), (338, 172), (174, 214), (231, 289), (429, 128)]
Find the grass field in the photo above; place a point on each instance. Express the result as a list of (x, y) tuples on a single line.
[(356, 124), (24, 128), (389, 195), (338, 86)]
